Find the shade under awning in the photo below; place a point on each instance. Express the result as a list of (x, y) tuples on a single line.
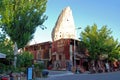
[(2, 55)]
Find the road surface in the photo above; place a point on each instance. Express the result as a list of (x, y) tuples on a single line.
[(84, 76)]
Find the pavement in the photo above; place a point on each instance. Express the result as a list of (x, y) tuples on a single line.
[(59, 73), (53, 74), (66, 75)]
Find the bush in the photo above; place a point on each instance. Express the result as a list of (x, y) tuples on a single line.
[(38, 67)]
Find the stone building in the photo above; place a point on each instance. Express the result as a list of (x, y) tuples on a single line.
[(63, 49), (40, 51), (64, 27), (62, 53), (63, 34)]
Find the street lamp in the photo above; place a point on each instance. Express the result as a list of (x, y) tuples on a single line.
[(43, 27), (75, 48)]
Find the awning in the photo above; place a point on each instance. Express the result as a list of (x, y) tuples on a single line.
[(2, 55)]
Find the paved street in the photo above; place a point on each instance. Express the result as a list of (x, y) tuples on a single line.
[(84, 76)]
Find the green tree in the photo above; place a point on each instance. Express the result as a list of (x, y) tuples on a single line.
[(19, 19), (6, 46), (24, 60), (99, 41), (115, 53)]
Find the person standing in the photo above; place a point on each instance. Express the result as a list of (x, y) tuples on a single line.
[(107, 67), (11, 75)]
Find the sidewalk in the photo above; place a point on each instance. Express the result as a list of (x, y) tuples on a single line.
[(53, 74), (59, 73)]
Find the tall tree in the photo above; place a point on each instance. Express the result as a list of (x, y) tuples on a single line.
[(19, 19), (25, 59), (99, 41), (6, 45)]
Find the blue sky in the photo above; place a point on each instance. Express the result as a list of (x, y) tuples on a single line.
[(85, 12)]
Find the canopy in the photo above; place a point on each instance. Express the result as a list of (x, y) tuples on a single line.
[(2, 55)]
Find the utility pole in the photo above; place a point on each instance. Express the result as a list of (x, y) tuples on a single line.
[(75, 48)]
